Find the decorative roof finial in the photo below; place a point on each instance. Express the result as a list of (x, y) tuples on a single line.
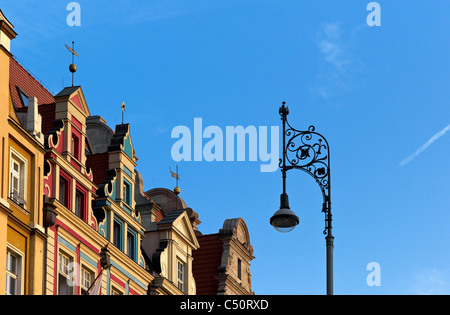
[(177, 189), (123, 110), (72, 67)]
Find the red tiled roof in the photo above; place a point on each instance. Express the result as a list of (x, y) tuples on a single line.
[(207, 260), (159, 215), (19, 77), (99, 164)]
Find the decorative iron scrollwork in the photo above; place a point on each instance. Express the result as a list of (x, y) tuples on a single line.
[(308, 151)]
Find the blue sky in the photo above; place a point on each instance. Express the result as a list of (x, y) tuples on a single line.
[(380, 96)]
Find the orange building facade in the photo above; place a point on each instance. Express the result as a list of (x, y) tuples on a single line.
[(22, 235)]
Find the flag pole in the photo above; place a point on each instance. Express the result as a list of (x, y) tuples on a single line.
[(99, 274), (104, 262)]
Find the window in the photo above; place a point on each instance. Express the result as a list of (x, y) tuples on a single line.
[(79, 204), (86, 280), (131, 245), (117, 234), (64, 191), (75, 147), (115, 291), (23, 97), (17, 172), (239, 268), (13, 273), (65, 273), (127, 193), (64, 264), (181, 273)]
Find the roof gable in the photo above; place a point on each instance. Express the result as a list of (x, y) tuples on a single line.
[(128, 147), (179, 221), (3, 18), (121, 140), (75, 96)]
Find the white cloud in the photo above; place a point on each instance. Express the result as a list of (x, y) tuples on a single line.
[(425, 146), (160, 130), (337, 63), (332, 48), (432, 282)]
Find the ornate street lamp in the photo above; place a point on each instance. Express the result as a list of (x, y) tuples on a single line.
[(307, 151)]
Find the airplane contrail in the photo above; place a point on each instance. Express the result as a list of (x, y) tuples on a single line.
[(425, 146)]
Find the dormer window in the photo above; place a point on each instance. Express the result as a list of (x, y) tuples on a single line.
[(180, 275), (131, 245), (75, 147), (79, 204), (23, 97), (64, 189), (117, 234), (126, 193)]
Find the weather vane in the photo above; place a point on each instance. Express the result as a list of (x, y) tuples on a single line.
[(72, 67), (177, 177), (123, 110)]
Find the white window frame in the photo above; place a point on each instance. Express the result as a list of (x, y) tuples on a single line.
[(21, 175), (181, 275), (64, 270), (64, 261), (20, 269), (86, 282)]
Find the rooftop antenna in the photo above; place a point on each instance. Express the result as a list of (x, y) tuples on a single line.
[(72, 67)]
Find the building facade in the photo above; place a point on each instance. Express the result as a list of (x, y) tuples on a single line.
[(22, 234), (222, 262), (74, 216)]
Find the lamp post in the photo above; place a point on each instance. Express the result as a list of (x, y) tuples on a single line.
[(307, 151)]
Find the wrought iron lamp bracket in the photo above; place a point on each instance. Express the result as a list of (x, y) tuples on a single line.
[(307, 151)]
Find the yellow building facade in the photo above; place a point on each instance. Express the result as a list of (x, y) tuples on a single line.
[(22, 235)]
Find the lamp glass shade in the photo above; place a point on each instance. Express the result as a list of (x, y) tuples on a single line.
[(284, 220)]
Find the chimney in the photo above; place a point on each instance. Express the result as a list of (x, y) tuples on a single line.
[(34, 120), (7, 32)]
